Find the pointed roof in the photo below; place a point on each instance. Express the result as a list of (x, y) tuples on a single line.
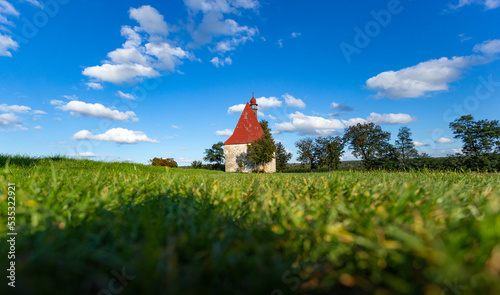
[(248, 128)]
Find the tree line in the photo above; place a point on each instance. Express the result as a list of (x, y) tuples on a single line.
[(369, 143)]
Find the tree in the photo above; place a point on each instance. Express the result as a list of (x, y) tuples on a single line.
[(367, 141), (404, 146), (478, 137), (196, 165), (262, 150), (215, 154), (306, 151), (168, 162), (328, 151), (282, 157)]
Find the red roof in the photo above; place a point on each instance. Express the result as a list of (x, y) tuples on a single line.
[(253, 101), (247, 130)]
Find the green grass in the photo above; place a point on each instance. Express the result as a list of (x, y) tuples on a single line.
[(184, 231)]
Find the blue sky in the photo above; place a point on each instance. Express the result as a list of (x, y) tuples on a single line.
[(133, 80)]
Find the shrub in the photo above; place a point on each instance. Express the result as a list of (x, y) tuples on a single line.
[(168, 162)]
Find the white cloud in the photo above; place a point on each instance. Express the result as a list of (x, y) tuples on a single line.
[(175, 127), (135, 61), (7, 44), (125, 95), (490, 47), (226, 132), (56, 102), (38, 127), (9, 119), (236, 109), (221, 6), (304, 124), (280, 42), (420, 144), (70, 97), (315, 125), (488, 4), (295, 35), (391, 118), (149, 19), (184, 160), (117, 135), (97, 110), (119, 73), (93, 85), (293, 102), (443, 140), (38, 112), (268, 102), (14, 108), (35, 3), (216, 61), (430, 76)]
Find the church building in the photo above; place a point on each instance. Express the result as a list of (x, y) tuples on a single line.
[(247, 130)]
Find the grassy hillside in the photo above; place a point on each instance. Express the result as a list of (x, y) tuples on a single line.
[(178, 231)]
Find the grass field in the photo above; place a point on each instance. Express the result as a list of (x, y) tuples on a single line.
[(81, 224)]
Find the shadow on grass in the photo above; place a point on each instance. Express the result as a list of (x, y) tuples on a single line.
[(169, 245)]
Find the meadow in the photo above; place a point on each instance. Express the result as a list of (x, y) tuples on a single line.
[(86, 227)]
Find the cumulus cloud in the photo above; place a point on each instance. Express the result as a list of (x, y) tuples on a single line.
[(94, 85), (420, 144), (14, 108), (38, 127), (117, 135), (490, 47), (145, 53), (316, 125), (263, 102), (96, 110), (70, 97), (296, 35), (443, 140), (125, 95), (226, 132), (7, 44), (391, 119), (214, 27), (430, 76), (219, 62), (294, 102), (8, 120), (149, 19)]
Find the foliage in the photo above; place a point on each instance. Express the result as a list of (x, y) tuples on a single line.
[(328, 150), (168, 162), (204, 232), (197, 165), (262, 150), (404, 146), (369, 142), (305, 148), (215, 154), (282, 157), (478, 137)]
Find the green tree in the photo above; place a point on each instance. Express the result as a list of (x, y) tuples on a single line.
[(328, 151), (215, 154), (306, 151), (168, 162), (404, 146), (367, 141), (196, 165), (478, 137), (282, 157), (262, 150)]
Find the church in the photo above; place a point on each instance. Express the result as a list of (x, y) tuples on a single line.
[(247, 130)]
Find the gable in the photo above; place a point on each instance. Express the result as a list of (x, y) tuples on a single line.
[(248, 128)]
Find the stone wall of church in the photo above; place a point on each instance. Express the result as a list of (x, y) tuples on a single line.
[(238, 152)]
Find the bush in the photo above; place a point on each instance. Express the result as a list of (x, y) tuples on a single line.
[(168, 162)]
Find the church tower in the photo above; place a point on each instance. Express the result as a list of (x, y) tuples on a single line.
[(254, 105)]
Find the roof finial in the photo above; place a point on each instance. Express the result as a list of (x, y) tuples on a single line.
[(252, 95)]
